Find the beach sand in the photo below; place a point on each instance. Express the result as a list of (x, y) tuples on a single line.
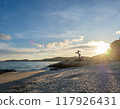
[(99, 78), (12, 76)]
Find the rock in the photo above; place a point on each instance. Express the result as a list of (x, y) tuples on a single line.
[(6, 70), (66, 64)]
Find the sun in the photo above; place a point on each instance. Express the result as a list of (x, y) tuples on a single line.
[(102, 47)]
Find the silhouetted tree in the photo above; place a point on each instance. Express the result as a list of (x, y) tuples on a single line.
[(79, 55)]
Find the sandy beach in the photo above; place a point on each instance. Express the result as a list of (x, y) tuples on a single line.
[(13, 76), (99, 78)]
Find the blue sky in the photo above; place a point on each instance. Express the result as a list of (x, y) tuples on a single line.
[(36, 29)]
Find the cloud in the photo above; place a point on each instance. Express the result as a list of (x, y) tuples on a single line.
[(91, 45), (87, 49), (65, 43), (60, 44), (5, 37), (73, 13), (64, 14), (117, 32), (54, 44), (39, 45), (78, 40), (18, 50), (81, 46), (97, 43), (36, 34), (19, 35)]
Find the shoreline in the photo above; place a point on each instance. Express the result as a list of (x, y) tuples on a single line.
[(98, 78), (14, 76)]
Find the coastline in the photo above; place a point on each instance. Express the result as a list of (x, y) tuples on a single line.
[(13, 76), (98, 78)]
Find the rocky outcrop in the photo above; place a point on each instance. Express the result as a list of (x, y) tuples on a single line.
[(115, 49), (6, 70), (68, 64)]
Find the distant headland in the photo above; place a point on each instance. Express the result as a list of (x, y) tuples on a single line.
[(47, 59)]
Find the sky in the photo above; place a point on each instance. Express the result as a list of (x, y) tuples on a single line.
[(37, 29)]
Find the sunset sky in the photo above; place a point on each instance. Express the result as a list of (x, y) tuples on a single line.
[(37, 29)]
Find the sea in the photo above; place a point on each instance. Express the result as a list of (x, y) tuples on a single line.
[(26, 66)]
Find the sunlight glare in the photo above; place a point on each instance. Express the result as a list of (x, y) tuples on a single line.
[(102, 47)]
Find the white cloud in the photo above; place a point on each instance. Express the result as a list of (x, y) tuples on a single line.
[(5, 37), (96, 43), (78, 40), (65, 48), (117, 32), (54, 44), (87, 49), (91, 45), (38, 45), (65, 43)]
